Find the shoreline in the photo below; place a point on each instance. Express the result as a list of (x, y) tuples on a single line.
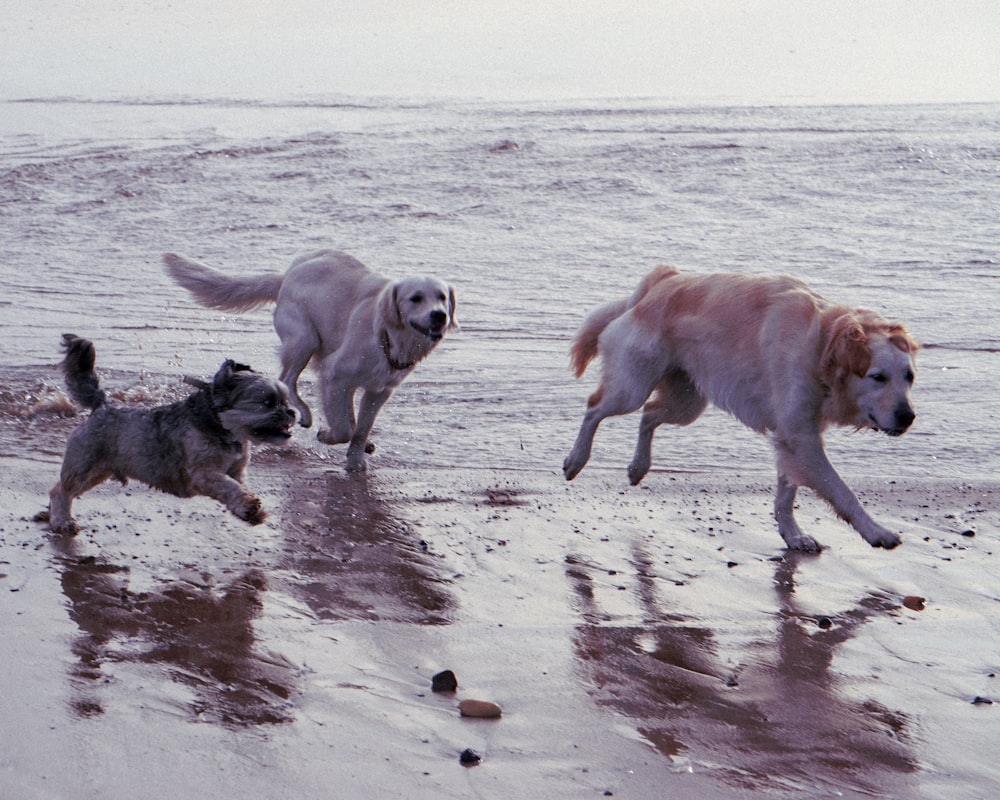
[(638, 639)]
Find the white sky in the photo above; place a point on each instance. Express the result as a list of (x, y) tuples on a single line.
[(747, 51)]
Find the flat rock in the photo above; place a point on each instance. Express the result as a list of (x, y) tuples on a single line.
[(482, 709)]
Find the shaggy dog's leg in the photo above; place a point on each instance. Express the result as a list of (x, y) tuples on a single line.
[(231, 494)]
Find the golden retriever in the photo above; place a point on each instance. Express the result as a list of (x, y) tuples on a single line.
[(768, 350), (363, 330)]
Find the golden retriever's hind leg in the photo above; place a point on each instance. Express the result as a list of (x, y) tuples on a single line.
[(623, 400), (784, 513), (677, 401)]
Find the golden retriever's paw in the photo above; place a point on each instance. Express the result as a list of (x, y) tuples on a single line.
[(802, 543), (66, 527), (571, 467), (636, 472), (883, 538), (326, 436)]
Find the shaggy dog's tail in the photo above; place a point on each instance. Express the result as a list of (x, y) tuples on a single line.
[(78, 366), (215, 290)]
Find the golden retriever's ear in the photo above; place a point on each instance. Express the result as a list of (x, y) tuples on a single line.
[(900, 337), (388, 306), (847, 351), (453, 326)]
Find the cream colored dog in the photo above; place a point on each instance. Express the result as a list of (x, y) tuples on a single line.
[(363, 330), (771, 352)]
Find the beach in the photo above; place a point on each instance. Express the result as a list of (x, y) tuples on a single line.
[(647, 641)]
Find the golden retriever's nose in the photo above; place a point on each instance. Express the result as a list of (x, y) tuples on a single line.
[(904, 417), (438, 319)]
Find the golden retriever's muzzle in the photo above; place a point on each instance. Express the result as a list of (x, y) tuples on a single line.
[(903, 418), (438, 320)]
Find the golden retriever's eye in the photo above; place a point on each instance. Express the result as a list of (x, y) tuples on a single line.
[(417, 298), (878, 377), (910, 377)]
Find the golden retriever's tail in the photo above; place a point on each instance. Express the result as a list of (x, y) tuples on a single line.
[(585, 348), (215, 290)]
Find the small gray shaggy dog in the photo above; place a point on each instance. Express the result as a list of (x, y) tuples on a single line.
[(196, 446)]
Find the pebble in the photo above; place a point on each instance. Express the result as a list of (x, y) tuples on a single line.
[(469, 757), (482, 709), (913, 602), (444, 682)]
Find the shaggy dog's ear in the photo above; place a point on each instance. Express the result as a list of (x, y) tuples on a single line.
[(847, 351), (225, 381), (388, 306)]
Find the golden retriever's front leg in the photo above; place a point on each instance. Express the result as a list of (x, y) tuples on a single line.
[(804, 463), (371, 404), (338, 407), (784, 513)]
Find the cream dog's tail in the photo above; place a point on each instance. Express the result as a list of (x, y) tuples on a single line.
[(78, 366), (215, 290)]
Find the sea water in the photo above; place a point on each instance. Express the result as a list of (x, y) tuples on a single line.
[(535, 212)]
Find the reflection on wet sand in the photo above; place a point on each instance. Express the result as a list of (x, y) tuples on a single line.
[(352, 557), (780, 723), (203, 636)]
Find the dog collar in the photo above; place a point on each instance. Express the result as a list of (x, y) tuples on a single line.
[(386, 348)]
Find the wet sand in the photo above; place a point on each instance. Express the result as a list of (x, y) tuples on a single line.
[(654, 641)]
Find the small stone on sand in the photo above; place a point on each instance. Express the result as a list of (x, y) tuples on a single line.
[(482, 709), (913, 602), (444, 681)]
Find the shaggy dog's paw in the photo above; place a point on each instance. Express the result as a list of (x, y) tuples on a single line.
[(252, 511)]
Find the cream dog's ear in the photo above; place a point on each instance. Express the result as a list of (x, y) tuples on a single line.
[(388, 306), (452, 303)]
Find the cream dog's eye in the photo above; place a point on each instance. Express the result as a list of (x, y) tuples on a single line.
[(878, 377), (417, 298)]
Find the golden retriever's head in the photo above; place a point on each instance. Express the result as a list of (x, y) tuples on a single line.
[(425, 305), (868, 364)]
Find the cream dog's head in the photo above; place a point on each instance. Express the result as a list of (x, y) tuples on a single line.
[(422, 304)]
